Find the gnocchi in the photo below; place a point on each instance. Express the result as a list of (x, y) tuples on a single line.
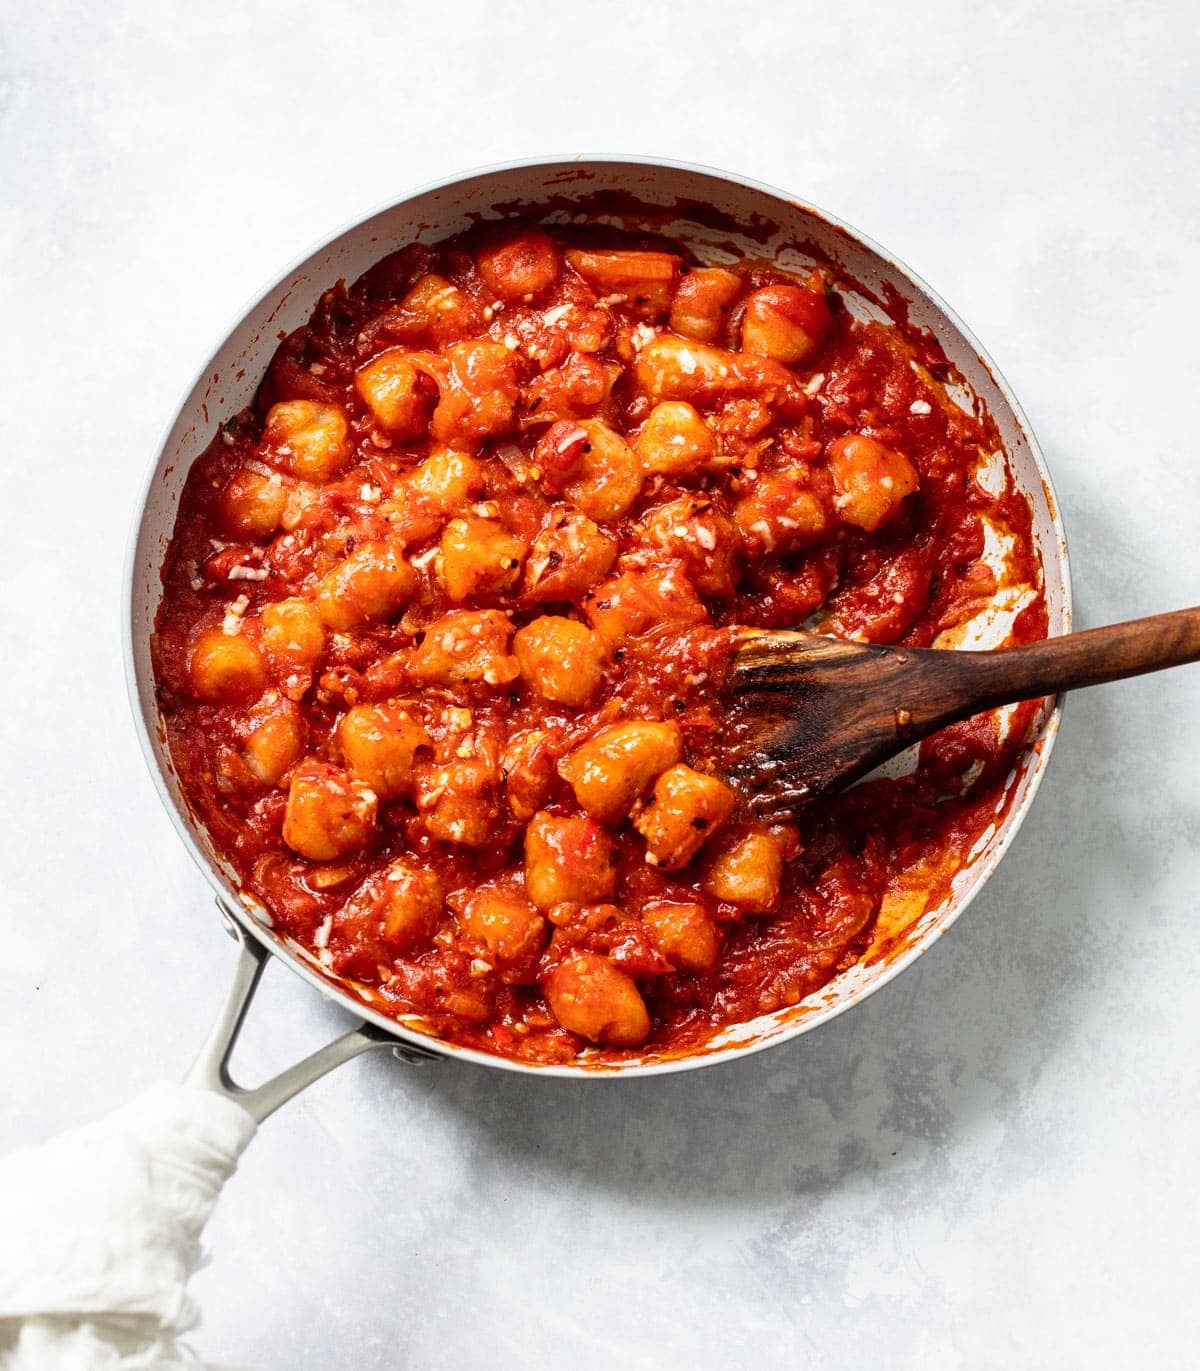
[(479, 557), (328, 815), (561, 659), (610, 771), (226, 668), (592, 997), (380, 744), (568, 858), (312, 439), (684, 810), (870, 481), (675, 440), (371, 585), (396, 393), (748, 872)]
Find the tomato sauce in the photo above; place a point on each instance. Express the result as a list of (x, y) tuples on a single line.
[(446, 608)]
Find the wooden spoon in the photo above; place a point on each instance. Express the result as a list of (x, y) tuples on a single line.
[(810, 714)]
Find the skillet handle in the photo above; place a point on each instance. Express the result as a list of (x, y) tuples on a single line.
[(210, 1070), (102, 1225)]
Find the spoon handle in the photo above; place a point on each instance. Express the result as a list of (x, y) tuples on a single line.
[(981, 680)]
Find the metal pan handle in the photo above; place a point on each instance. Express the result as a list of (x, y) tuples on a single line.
[(109, 1216), (210, 1071)]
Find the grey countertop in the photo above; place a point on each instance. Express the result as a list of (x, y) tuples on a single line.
[(991, 1163)]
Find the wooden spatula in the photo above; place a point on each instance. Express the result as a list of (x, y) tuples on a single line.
[(810, 714)]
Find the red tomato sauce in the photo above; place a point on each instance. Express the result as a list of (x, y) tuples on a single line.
[(446, 607)]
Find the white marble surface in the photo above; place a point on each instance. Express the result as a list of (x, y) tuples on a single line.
[(991, 1164)]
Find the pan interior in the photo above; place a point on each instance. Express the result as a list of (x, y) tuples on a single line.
[(719, 218)]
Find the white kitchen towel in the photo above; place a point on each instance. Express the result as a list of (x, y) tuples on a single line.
[(100, 1233)]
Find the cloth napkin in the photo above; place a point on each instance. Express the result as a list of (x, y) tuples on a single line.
[(100, 1233)]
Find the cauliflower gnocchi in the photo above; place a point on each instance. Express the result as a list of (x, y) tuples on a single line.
[(447, 610)]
